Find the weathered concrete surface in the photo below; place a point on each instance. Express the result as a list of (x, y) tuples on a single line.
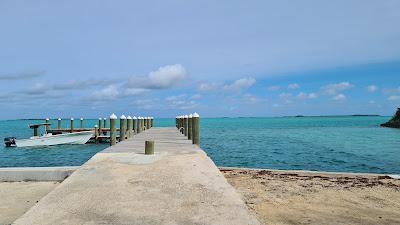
[(18, 197), (14, 174), (179, 184)]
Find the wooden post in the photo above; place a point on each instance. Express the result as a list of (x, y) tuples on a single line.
[(176, 122), (151, 121), (59, 123), (135, 126), (186, 124), (144, 123), (113, 130), (181, 124), (99, 126), (105, 126), (141, 124), (47, 126), (122, 128), (190, 134), (72, 125), (139, 129), (81, 122), (130, 127), (96, 134), (149, 148), (196, 129)]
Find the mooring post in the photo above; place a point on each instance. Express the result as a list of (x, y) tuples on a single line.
[(181, 125), (99, 126), (59, 123), (190, 130), (149, 148), (122, 128), (130, 126), (105, 126), (151, 121), (81, 122), (196, 129), (141, 124), (176, 122), (96, 134), (186, 118), (145, 123), (113, 130), (138, 125), (72, 124), (135, 129), (47, 126)]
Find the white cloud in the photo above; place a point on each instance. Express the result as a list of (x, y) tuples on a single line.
[(293, 86), (208, 87), (240, 84), (333, 89), (372, 88), (274, 88), (303, 95), (163, 78), (339, 97), (108, 93), (394, 98)]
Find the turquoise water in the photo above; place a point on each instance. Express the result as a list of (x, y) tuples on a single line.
[(344, 144)]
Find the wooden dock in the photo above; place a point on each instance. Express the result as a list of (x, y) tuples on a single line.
[(179, 184)]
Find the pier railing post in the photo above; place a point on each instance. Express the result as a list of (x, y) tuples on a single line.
[(185, 120), (59, 123), (113, 130), (139, 129), (72, 124), (99, 125), (96, 134), (145, 123), (130, 126), (47, 126), (190, 130), (181, 124), (196, 129), (105, 126), (141, 123), (81, 123), (122, 128), (135, 126)]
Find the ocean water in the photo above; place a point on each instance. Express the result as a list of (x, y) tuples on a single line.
[(342, 144)]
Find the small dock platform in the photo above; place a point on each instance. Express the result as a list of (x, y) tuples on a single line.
[(179, 184)]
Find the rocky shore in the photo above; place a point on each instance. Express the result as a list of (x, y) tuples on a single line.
[(394, 122)]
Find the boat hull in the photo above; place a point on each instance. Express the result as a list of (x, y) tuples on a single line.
[(60, 139)]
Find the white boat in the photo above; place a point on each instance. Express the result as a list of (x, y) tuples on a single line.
[(49, 139)]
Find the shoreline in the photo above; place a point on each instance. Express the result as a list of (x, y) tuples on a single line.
[(313, 197)]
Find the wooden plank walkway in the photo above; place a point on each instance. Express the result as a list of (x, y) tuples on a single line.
[(121, 185)]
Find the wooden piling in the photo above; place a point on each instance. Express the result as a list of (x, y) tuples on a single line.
[(129, 127), (149, 148), (96, 133), (59, 123), (186, 124), (47, 126), (196, 129), (135, 125), (145, 123), (105, 126), (190, 130), (72, 125), (81, 122), (113, 130), (122, 128), (99, 126)]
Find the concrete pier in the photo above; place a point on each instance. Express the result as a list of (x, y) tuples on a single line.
[(179, 184)]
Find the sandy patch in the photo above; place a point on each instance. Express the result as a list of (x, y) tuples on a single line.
[(284, 197), (17, 197)]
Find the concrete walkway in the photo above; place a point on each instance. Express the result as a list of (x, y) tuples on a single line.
[(121, 185)]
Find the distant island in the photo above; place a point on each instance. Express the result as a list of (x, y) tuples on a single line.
[(394, 122)]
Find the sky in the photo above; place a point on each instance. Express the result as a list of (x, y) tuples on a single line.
[(218, 58)]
